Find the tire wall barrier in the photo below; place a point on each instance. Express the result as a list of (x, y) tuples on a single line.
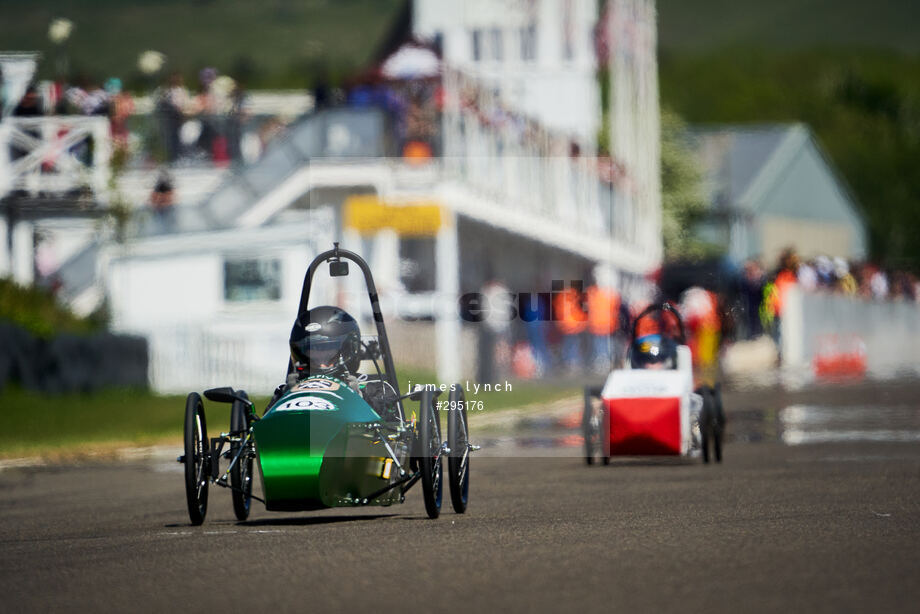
[(840, 332), (71, 363)]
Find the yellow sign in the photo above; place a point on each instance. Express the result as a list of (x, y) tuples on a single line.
[(368, 214)]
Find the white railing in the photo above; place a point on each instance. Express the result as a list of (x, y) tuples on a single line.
[(186, 358), (882, 334), (515, 161), (53, 155)]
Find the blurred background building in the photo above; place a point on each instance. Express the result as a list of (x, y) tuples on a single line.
[(465, 155), (772, 188), (481, 147)]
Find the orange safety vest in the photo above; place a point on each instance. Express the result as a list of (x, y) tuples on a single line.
[(710, 318), (570, 318), (650, 325), (603, 311), (714, 317), (784, 280)]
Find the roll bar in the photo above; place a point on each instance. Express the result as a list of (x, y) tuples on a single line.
[(335, 255), (660, 308)]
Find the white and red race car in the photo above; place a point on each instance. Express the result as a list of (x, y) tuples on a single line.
[(650, 407)]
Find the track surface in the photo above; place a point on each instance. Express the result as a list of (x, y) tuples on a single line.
[(832, 528)]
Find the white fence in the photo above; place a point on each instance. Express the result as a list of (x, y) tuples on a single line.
[(55, 154), (190, 358), (884, 335), (517, 162)]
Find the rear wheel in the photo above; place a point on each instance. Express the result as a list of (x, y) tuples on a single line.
[(458, 440), (241, 474), (718, 423), (595, 429), (605, 435), (429, 453), (590, 428), (707, 419), (197, 459)]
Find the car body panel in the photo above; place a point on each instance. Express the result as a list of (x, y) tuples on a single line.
[(651, 411), (319, 446)]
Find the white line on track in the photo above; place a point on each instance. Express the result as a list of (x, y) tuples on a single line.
[(16, 463), (218, 532)]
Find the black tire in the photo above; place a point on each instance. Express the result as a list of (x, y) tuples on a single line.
[(588, 429), (197, 459), (595, 430), (458, 440), (605, 435), (718, 425), (706, 420), (429, 453), (241, 474)]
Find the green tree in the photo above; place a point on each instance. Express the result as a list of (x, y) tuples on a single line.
[(863, 106), (682, 200)]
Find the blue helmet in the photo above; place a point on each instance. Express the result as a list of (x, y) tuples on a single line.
[(653, 350), (326, 340)]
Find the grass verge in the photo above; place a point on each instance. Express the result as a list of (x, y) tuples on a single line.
[(65, 426)]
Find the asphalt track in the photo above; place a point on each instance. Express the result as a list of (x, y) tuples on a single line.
[(830, 527)]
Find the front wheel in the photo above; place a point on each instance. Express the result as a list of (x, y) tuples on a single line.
[(712, 423), (590, 428), (458, 440), (197, 459), (429, 453), (241, 473), (605, 435), (718, 425), (595, 430)]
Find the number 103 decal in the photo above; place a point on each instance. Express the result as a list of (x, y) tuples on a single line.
[(308, 403)]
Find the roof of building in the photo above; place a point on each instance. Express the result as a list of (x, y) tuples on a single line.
[(736, 158), (776, 171), (742, 163)]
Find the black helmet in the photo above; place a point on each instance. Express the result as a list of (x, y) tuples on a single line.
[(326, 340), (654, 351)]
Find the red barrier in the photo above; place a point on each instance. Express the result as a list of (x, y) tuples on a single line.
[(840, 357)]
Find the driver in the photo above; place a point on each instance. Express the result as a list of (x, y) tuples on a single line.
[(326, 341), (654, 351)]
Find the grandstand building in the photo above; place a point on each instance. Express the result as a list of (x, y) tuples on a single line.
[(490, 168)]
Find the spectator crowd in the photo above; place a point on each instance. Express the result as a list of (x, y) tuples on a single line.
[(205, 125), (583, 328), (761, 293)]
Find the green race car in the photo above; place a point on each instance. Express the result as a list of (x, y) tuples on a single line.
[(331, 436)]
